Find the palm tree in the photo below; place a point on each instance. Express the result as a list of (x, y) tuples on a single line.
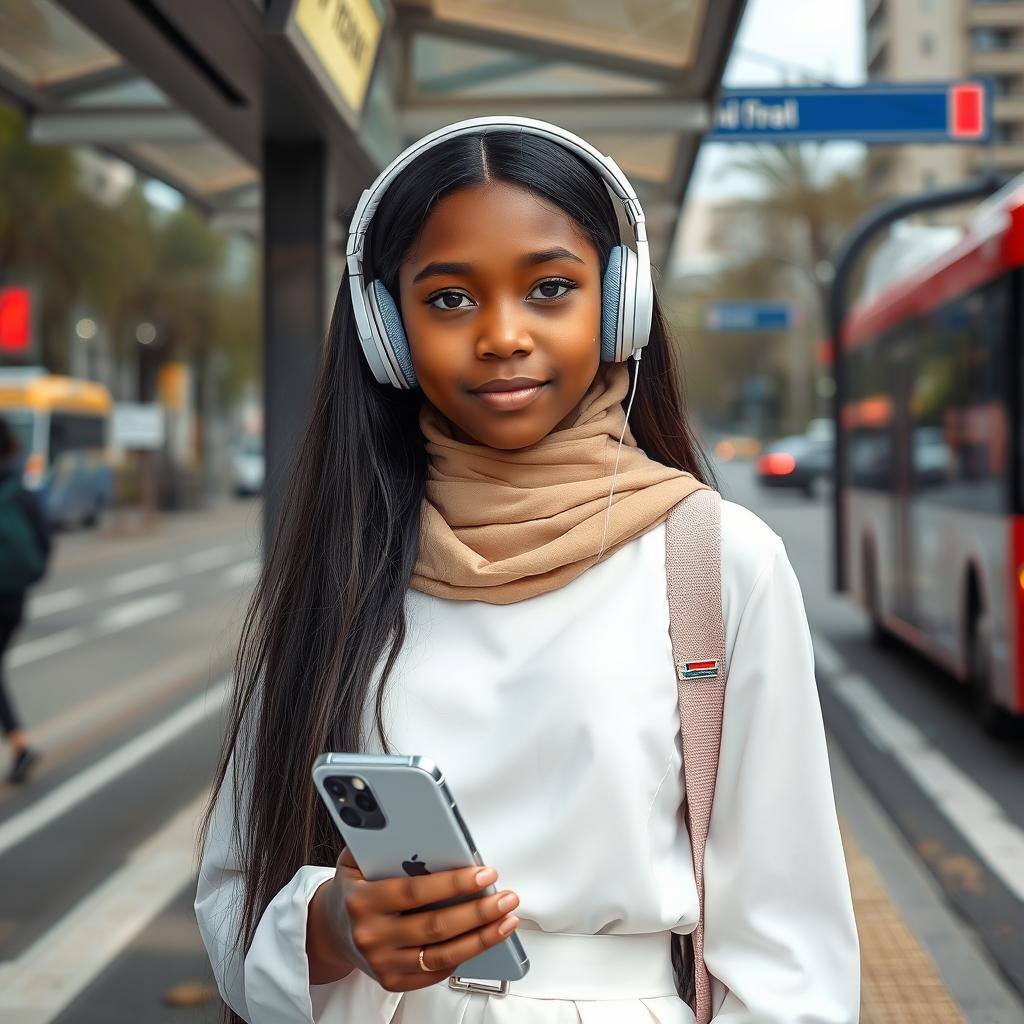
[(804, 208), (788, 234)]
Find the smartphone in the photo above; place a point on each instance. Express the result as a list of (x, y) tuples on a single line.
[(397, 816)]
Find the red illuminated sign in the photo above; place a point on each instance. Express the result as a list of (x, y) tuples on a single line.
[(967, 111), (15, 321)]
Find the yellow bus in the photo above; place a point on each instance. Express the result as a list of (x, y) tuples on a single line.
[(63, 425)]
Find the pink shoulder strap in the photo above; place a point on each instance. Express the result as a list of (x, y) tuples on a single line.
[(694, 571)]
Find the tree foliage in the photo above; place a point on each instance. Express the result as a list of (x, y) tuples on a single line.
[(125, 263), (783, 239)]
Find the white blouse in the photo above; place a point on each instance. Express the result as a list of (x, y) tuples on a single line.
[(555, 720)]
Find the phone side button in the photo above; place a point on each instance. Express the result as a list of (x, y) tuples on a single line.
[(465, 833)]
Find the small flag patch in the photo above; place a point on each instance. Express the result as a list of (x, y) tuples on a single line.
[(696, 669)]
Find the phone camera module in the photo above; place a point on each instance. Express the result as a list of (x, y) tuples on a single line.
[(349, 792), (351, 817), (366, 802)]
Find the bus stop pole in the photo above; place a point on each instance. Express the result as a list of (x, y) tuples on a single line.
[(849, 250), (294, 278)]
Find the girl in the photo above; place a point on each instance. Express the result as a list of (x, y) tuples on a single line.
[(468, 569)]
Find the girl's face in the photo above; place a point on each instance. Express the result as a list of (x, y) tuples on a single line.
[(499, 285)]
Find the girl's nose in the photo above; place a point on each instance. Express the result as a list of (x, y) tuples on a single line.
[(503, 334)]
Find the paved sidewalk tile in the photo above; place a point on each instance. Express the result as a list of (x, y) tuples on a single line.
[(899, 983)]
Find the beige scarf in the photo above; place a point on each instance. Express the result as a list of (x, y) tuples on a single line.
[(502, 526)]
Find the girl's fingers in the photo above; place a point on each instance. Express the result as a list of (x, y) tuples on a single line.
[(444, 958), (394, 895), (430, 927)]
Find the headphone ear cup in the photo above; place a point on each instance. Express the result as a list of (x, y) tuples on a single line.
[(394, 333), (611, 304)]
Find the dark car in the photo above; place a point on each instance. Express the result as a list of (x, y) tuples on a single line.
[(800, 462)]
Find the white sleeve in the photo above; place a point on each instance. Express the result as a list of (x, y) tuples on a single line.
[(780, 940), (271, 984)]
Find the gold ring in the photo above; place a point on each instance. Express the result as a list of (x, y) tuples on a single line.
[(423, 966)]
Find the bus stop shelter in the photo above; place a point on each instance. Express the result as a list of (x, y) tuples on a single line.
[(273, 115)]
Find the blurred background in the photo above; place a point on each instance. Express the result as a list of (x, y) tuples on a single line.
[(835, 201)]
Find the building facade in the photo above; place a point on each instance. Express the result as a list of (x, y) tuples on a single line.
[(921, 40)]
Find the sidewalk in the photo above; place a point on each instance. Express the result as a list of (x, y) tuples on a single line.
[(919, 963), (898, 980)]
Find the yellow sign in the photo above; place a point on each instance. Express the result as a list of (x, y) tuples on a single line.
[(173, 384), (343, 36)]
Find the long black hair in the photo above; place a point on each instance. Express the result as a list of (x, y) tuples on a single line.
[(329, 603)]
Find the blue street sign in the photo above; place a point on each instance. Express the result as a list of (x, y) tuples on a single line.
[(891, 113), (749, 316)]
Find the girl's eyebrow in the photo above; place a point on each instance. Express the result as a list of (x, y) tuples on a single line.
[(556, 252), (438, 269)]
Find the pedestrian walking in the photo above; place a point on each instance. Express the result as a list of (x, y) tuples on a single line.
[(24, 551), (479, 560)]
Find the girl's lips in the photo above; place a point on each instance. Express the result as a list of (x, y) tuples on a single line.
[(510, 400)]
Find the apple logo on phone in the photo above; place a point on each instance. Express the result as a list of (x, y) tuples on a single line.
[(415, 867)]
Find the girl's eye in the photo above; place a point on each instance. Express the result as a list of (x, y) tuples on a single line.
[(550, 289), (449, 300)]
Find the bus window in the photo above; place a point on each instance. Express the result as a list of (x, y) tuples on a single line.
[(74, 432), (868, 417), (960, 402)]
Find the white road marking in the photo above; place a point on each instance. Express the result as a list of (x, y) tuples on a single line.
[(58, 601), (241, 574), (33, 650), (165, 678), (981, 821), (137, 579), (132, 613), (140, 579), (40, 983), (214, 558), (72, 793)]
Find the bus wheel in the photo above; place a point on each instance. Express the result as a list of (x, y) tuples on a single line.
[(880, 636), (994, 719)]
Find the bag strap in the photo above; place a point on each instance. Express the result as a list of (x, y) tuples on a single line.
[(694, 571)]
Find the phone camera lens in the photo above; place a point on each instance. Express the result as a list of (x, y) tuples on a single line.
[(335, 787), (366, 802), (350, 817)]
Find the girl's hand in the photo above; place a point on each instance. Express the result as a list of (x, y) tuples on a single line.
[(380, 926)]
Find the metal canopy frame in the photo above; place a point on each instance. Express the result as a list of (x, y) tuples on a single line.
[(225, 84), (61, 113), (643, 98)]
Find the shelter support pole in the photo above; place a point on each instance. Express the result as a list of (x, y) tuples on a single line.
[(294, 275)]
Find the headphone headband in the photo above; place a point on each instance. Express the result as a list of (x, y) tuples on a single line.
[(605, 166), (627, 296)]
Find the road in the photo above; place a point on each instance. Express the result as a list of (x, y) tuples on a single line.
[(122, 670)]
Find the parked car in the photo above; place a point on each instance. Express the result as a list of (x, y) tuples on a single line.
[(248, 467), (802, 462)]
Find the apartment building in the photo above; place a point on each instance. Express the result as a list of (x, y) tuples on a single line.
[(918, 40)]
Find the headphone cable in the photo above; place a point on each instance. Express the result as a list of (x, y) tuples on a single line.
[(629, 408)]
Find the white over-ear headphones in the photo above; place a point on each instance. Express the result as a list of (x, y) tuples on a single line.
[(627, 297)]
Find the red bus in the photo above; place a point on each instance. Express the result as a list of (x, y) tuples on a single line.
[(932, 484)]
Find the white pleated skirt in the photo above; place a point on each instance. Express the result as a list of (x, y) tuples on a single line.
[(573, 979)]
